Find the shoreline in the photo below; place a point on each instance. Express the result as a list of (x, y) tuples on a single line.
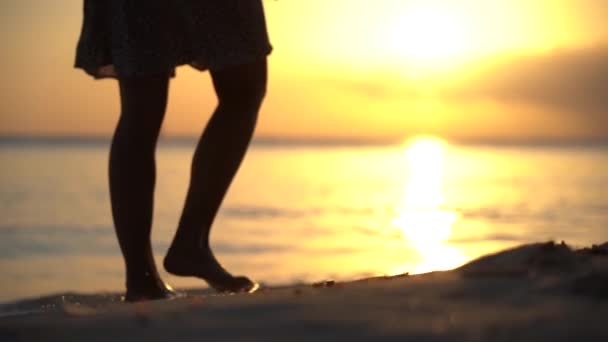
[(535, 292)]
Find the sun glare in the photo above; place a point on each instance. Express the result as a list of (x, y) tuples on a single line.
[(425, 224), (430, 36)]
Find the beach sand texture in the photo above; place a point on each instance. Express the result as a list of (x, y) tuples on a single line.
[(536, 292)]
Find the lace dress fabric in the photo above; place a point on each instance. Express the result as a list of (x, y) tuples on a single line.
[(130, 38)]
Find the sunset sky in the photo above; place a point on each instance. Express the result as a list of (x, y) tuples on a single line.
[(365, 69)]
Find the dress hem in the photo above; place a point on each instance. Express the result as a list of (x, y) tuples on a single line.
[(110, 71)]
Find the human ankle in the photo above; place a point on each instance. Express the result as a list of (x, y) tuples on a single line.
[(143, 280), (183, 247)]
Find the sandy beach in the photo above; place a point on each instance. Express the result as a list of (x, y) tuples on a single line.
[(535, 292)]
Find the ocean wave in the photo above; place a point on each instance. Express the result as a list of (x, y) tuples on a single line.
[(249, 212), (33, 241)]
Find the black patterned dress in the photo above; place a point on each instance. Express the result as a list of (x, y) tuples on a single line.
[(129, 38)]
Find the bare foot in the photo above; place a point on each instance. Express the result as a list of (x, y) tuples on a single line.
[(202, 264), (152, 288)]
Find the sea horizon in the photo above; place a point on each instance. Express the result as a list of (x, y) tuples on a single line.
[(67, 139)]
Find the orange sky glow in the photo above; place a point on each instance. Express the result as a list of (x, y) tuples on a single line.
[(348, 69)]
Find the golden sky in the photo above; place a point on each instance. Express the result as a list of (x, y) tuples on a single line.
[(502, 69)]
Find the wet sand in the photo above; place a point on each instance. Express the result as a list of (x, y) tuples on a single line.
[(537, 292)]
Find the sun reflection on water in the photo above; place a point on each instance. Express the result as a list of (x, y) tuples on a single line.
[(421, 215)]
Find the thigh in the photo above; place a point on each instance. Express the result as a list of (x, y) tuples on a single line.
[(244, 83), (144, 95)]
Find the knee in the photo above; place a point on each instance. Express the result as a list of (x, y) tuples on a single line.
[(243, 98), (141, 124), (243, 106)]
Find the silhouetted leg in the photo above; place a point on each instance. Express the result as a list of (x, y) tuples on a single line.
[(219, 153), (132, 179)]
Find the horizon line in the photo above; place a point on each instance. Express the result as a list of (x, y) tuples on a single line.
[(315, 141)]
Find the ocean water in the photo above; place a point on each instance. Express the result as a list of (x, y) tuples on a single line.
[(299, 213)]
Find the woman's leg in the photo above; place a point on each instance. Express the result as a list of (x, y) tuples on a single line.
[(219, 153), (132, 177)]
